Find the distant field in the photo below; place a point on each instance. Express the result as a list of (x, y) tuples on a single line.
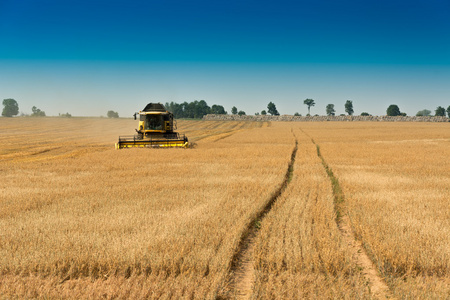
[(79, 219)]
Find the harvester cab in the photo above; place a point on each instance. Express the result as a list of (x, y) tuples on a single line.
[(156, 130)]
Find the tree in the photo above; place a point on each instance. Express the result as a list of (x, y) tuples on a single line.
[(201, 108), (175, 108), (297, 114), (393, 110), (330, 110), (241, 113), (234, 110), (349, 107), (440, 111), (11, 107), (218, 110), (272, 109), (112, 114), (309, 103), (448, 111), (37, 112), (365, 114), (263, 112), (423, 113), (196, 109), (66, 115)]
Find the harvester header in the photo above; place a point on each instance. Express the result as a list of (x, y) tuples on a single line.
[(156, 130)]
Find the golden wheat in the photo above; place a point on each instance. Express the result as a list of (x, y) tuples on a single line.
[(79, 219), (174, 217), (396, 182), (299, 250)]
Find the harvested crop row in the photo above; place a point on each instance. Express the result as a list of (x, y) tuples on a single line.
[(161, 223), (299, 249), (396, 182)]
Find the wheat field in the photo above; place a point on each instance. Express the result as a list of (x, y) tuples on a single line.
[(396, 181), (300, 252), (79, 219)]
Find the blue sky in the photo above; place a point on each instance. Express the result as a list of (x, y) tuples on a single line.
[(88, 57)]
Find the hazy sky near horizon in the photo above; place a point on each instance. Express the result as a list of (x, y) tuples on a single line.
[(88, 57)]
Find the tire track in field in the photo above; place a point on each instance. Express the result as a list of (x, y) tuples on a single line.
[(218, 134), (214, 134), (52, 152), (247, 125), (242, 265), (209, 129), (377, 285)]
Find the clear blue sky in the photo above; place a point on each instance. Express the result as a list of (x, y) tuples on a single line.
[(88, 57)]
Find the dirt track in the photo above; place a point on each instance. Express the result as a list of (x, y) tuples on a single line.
[(377, 285), (243, 272)]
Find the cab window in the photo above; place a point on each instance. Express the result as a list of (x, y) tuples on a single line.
[(153, 122)]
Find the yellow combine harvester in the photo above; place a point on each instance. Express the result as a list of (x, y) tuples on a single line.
[(156, 127)]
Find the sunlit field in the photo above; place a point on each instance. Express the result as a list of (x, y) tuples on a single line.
[(396, 182), (300, 252), (79, 219)]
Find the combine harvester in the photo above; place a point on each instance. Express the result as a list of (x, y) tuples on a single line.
[(156, 127)]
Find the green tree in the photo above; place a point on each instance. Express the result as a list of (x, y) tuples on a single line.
[(241, 113), (112, 114), (297, 114), (234, 110), (393, 110), (448, 111), (175, 108), (263, 112), (440, 111), (272, 109), (309, 103), (349, 107), (188, 109), (11, 107), (365, 114), (330, 110), (423, 113), (196, 109), (37, 112), (218, 110), (201, 108)]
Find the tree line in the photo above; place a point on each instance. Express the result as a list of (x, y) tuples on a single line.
[(195, 110), (392, 110), (11, 108), (198, 108)]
